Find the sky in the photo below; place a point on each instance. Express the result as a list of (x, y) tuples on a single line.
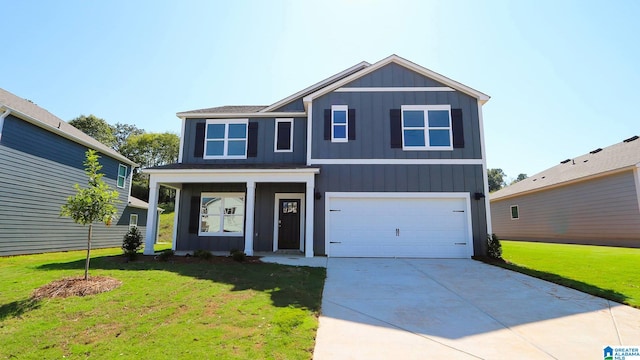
[(562, 75)]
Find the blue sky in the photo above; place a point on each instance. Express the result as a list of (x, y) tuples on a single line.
[(562, 74)]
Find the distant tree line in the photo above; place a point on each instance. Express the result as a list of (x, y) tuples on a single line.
[(145, 148), (497, 179)]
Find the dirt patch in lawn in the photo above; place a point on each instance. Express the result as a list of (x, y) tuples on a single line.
[(76, 286)]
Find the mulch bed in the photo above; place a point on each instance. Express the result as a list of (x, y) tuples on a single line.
[(76, 286)]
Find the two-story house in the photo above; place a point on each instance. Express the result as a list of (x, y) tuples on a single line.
[(379, 160), (41, 158)]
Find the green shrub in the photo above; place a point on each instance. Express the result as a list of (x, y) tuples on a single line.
[(238, 255), (132, 242), (494, 247), (203, 254), (165, 255)]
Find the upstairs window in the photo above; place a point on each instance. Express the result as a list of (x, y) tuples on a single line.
[(284, 135), (426, 127), (221, 214), (226, 139), (339, 123), (122, 175)]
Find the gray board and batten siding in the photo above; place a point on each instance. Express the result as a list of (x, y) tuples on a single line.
[(37, 172), (373, 119), (265, 144), (600, 211)]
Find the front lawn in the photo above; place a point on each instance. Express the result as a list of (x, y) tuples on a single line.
[(609, 272), (185, 309)]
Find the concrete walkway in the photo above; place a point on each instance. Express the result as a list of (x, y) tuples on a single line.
[(461, 309)]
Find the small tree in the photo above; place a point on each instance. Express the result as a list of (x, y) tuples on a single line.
[(494, 247), (92, 204), (132, 242)]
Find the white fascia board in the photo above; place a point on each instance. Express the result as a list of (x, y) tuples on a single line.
[(180, 150), (395, 89), (239, 176), (63, 134), (485, 175), (239, 115), (2, 116), (395, 162), (482, 97), (320, 84)]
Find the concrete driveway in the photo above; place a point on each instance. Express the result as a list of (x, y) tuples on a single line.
[(461, 309)]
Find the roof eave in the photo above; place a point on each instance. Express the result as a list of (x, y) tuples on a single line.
[(189, 115), (65, 135)]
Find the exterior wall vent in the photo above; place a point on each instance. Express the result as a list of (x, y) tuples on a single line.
[(631, 139), (595, 151)]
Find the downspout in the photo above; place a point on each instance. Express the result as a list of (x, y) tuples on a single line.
[(4, 115)]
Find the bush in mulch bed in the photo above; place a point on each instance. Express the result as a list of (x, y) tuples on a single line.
[(76, 286)]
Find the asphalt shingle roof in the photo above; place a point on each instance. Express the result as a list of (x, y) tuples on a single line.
[(48, 121), (228, 109), (618, 156)]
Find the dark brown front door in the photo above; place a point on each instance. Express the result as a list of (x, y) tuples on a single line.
[(289, 224)]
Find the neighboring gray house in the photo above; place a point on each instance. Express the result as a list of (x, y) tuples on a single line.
[(41, 158), (590, 199), (379, 160)]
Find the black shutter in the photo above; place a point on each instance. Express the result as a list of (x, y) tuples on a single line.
[(396, 128), (252, 138), (352, 124), (327, 124), (198, 149), (457, 128), (284, 136), (194, 215)]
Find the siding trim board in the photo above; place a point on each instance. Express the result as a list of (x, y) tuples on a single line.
[(396, 161), (393, 89)]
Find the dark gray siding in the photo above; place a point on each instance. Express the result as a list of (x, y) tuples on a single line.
[(373, 121), (37, 172), (263, 237), (294, 106), (403, 178), (266, 154), (601, 211)]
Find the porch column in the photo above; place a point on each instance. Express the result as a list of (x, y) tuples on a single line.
[(152, 217), (249, 214), (176, 210), (308, 218)]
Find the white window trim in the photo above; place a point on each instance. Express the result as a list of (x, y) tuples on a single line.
[(124, 177), (511, 212), (344, 108), (426, 128), (226, 123), (221, 195), (275, 139), (132, 223)]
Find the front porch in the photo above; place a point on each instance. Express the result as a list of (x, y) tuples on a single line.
[(220, 209)]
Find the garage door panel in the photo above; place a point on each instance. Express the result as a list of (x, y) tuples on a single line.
[(398, 227)]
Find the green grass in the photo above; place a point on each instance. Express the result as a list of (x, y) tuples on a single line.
[(608, 272), (165, 233), (162, 310)]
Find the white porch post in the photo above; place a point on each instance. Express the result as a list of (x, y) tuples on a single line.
[(176, 210), (152, 216), (248, 232), (308, 227)]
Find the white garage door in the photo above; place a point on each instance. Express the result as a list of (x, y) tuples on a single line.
[(398, 225)]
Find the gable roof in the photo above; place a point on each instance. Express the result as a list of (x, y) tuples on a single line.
[(40, 117), (482, 97), (617, 157)]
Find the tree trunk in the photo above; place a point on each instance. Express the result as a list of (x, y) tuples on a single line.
[(86, 266)]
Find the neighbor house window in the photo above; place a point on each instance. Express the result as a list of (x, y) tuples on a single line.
[(133, 220), (339, 123), (221, 214), (515, 214), (426, 127), (226, 139), (122, 175), (284, 135)]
